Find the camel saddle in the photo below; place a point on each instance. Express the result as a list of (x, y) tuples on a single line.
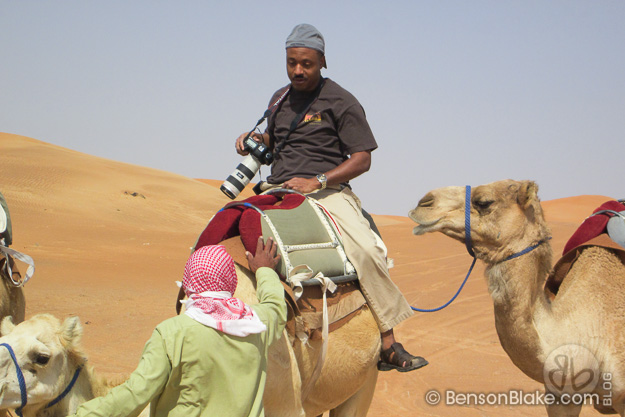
[(305, 313), (314, 270), (304, 231), (596, 230)]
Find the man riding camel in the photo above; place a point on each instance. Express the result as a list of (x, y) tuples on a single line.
[(321, 140)]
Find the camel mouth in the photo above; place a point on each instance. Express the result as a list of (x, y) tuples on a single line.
[(423, 229), (6, 402), (424, 226)]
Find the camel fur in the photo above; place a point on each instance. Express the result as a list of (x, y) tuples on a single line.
[(581, 327)]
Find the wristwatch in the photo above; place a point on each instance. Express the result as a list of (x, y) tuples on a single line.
[(323, 180)]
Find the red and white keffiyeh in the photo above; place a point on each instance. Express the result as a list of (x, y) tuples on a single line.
[(209, 282)]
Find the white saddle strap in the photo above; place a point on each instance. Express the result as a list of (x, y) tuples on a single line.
[(326, 285), (7, 252), (296, 276)]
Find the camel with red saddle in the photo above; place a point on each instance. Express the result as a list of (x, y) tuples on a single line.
[(327, 359), (572, 342)]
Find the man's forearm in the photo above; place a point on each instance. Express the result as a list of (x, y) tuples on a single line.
[(357, 164)]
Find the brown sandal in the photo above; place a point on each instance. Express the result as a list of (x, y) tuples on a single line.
[(397, 358)]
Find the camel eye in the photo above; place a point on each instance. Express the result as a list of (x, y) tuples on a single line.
[(42, 359), (482, 205)]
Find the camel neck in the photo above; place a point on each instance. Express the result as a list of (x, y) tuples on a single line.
[(516, 287)]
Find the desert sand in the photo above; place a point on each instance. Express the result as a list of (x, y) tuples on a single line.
[(110, 239)]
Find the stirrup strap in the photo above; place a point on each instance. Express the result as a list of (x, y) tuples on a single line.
[(7, 252)]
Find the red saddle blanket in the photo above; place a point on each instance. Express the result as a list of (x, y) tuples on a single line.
[(307, 236), (592, 232), (237, 218), (593, 226)]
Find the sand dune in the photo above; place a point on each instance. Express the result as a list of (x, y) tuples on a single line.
[(109, 240)]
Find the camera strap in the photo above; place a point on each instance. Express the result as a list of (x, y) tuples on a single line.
[(270, 110), (298, 118)]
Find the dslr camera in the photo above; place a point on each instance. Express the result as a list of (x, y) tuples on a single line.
[(259, 154)]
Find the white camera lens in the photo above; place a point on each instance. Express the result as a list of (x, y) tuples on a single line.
[(240, 177)]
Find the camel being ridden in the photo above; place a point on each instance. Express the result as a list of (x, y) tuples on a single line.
[(574, 343), (337, 373)]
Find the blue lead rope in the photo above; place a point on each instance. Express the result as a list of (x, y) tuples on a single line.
[(431, 310), (468, 243), (20, 379)]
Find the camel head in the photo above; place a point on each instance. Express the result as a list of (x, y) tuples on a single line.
[(506, 217), (47, 353)]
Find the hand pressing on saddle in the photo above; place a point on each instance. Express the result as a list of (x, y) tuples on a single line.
[(265, 255)]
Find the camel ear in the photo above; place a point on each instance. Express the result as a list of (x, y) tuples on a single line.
[(71, 331), (7, 326), (528, 194)]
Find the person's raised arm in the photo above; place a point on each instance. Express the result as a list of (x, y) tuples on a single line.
[(272, 307)]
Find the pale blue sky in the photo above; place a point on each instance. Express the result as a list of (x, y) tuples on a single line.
[(456, 92)]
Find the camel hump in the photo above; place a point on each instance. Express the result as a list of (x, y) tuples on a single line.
[(604, 228)]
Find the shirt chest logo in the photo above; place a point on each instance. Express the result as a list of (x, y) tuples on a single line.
[(312, 118)]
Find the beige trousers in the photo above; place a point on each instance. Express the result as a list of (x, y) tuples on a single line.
[(387, 303)]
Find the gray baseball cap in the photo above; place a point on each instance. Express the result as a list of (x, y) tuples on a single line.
[(306, 36)]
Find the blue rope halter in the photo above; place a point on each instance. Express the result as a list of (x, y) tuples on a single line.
[(20, 379), (469, 245), (22, 383), (67, 389)]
